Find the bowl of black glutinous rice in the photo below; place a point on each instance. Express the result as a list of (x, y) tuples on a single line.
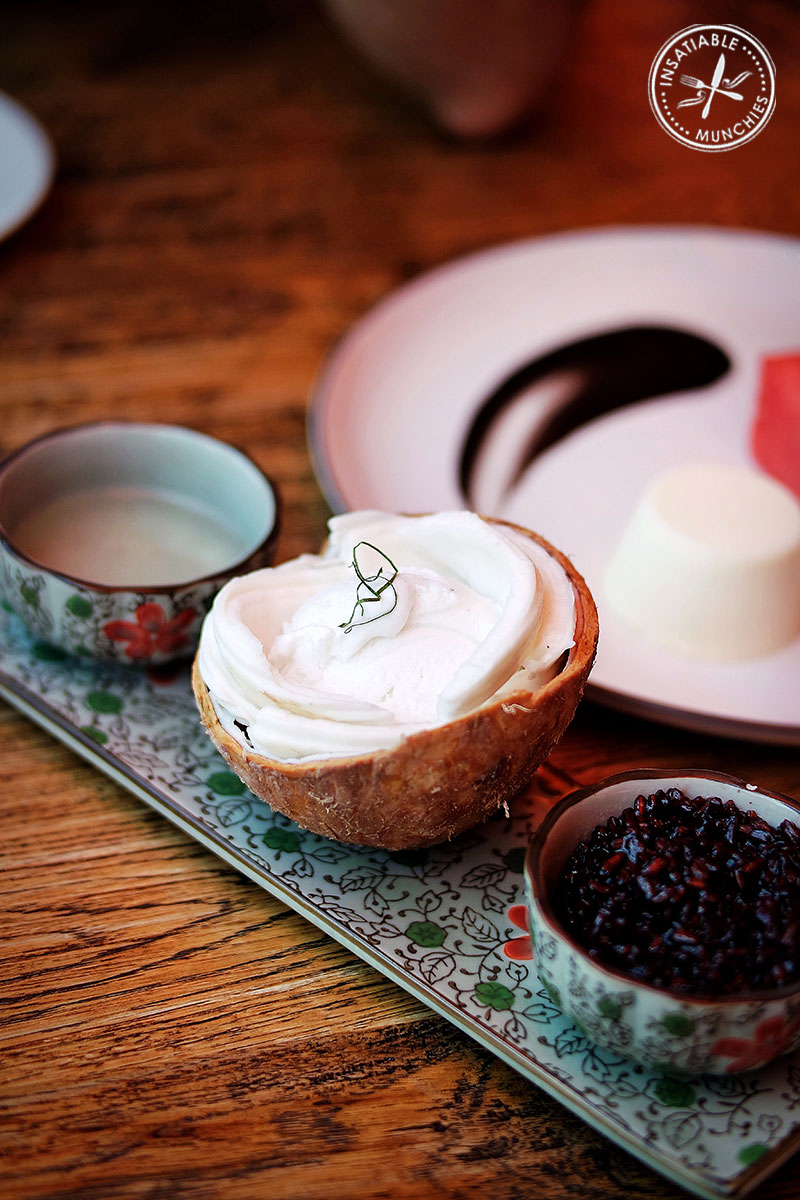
[(665, 918)]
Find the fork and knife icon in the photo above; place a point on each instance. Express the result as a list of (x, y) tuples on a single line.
[(718, 86)]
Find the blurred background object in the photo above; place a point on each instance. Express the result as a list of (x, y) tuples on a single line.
[(478, 68)]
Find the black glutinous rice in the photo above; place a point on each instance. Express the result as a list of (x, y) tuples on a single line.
[(690, 894)]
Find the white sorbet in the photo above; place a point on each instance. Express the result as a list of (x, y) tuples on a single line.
[(318, 659)]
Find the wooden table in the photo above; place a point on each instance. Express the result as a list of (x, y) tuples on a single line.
[(234, 189)]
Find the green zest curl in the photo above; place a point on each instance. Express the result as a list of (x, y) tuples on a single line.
[(371, 588)]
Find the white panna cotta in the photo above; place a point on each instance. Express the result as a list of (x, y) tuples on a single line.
[(402, 624), (709, 564)]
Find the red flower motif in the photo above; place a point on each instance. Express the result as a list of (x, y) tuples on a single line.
[(774, 1036), (521, 948), (151, 633)]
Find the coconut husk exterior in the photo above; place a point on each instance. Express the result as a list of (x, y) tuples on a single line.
[(435, 783)]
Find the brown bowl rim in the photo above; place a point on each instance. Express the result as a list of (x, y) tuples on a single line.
[(536, 891), (263, 548)]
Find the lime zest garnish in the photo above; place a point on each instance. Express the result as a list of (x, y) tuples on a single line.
[(371, 588)]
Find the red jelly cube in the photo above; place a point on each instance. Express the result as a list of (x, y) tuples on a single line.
[(776, 431)]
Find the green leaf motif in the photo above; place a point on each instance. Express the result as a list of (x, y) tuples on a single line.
[(675, 1093), (29, 595), (495, 995), (225, 783), (95, 734), (104, 702), (609, 1007), (79, 606), (678, 1024), (751, 1154), (426, 933), (552, 991), (45, 652), (281, 839)]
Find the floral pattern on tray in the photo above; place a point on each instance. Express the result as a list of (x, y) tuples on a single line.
[(446, 923)]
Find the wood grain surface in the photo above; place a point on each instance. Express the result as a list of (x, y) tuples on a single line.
[(234, 189)]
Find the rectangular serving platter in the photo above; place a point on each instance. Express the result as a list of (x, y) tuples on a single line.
[(434, 921)]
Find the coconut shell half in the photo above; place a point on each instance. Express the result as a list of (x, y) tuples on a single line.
[(435, 783)]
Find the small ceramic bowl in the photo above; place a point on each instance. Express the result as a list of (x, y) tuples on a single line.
[(668, 1031), (116, 536)]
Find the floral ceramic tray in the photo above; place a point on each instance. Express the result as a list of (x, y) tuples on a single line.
[(437, 922)]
